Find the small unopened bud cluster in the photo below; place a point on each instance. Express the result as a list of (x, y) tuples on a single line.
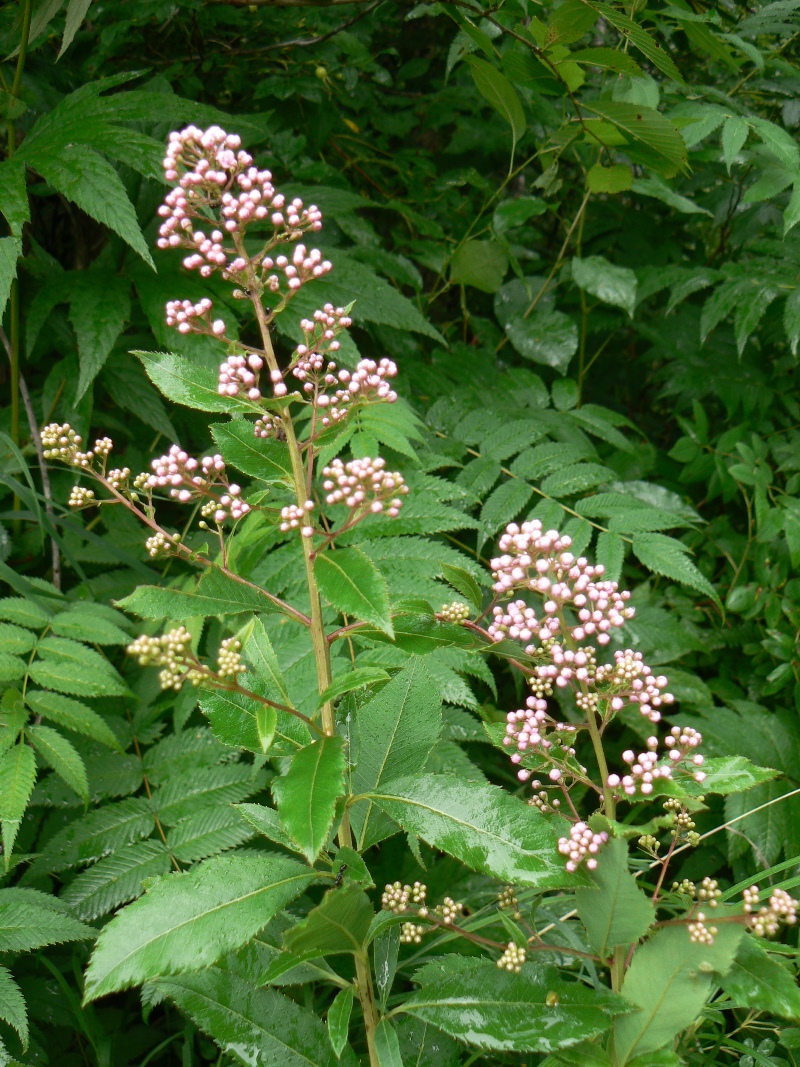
[(686, 888), (398, 898), (709, 892), (229, 658), (63, 443), (455, 612), (172, 652), (268, 426), (229, 506), (450, 910), (239, 374), (513, 958), (159, 544), (542, 800), (187, 317), (118, 478), (411, 933), (650, 844), (80, 497), (293, 517), (507, 899), (781, 908), (699, 932), (582, 846), (645, 769), (365, 486)]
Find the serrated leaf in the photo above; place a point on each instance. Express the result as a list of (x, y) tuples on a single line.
[(182, 795), (576, 479), (207, 832), (616, 911), (186, 383), (10, 252), (658, 189), (504, 504), (500, 93), (608, 59), (387, 1044), (17, 778), (548, 337), (463, 581), (393, 735), (757, 981), (85, 178), (480, 824), (610, 284), (187, 921), (115, 879), (614, 179), (354, 679), (95, 835), (258, 1026), (78, 677), (266, 459), (306, 796), (215, 594), (669, 981), (88, 625), (666, 556), (27, 926), (338, 925), (61, 756), (14, 196), (476, 1002), (12, 1005), (24, 612), (351, 582), (734, 135), (339, 1019), (648, 127), (481, 264), (610, 551), (267, 822), (15, 639), (100, 307), (640, 39), (76, 13)]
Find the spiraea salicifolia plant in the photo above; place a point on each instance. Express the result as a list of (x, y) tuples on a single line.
[(561, 944)]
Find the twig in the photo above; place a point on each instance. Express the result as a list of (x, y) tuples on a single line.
[(304, 42), (45, 474)]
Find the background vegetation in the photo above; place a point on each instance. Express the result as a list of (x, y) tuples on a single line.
[(586, 268)]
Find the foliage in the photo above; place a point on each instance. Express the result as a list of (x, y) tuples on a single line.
[(571, 225)]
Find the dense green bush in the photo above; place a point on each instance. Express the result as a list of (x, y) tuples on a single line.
[(568, 229)]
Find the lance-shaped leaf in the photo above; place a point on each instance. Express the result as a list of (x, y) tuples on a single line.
[(500, 93), (17, 776), (71, 714), (215, 594), (62, 757), (256, 1026), (338, 925), (266, 459), (186, 383), (339, 1019), (100, 306), (616, 911), (534, 1011), (393, 736), (115, 879), (187, 921), (480, 824), (12, 1005), (306, 796), (669, 981), (351, 582), (758, 981)]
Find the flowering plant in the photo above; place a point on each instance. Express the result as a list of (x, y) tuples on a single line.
[(563, 944)]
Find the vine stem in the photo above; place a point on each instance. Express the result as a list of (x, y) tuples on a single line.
[(322, 658)]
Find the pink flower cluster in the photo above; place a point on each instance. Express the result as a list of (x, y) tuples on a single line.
[(581, 846), (240, 372), (541, 564), (645, 768), (366, 384), (294, 516), (184, 475), (320, 331), (187, 317), (526, 729), (228, 506), (364, 485), (634, 682)]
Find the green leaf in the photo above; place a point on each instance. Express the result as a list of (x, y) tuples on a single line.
[(15, 639), (463, 581), (548, 337), (791, 319), (189, 384), (12, 1005), (339, 1019), (100, 307), (640, 39), (17, 777), (610, 552), (659, 190), (387, 1044), (476, 1002), (614, 179), (215, 594), (207, 832), (62, 757), (500, 93), (354, 679), (95, 835), (576, 478), (187, 921), (607, 59), (115, 879), (760, 982), (616, 911), (393, 735), (10, 251), (239, 721), (12, 668), (84, 177), (26, 926), (666, 149), (24, 612), (84, 622), (481, 264), (729, 774), (613, 285), (778, 142), (14, 196), (306, 796), (71, 714), (669, 980), (734, 135), (664, 555), (76, 13), (516, 212), (338, 925), (256, 1026), (352, 583), (266, 459), (480, 824), (268, 823), (504, 504), (385, 950), (78, 678)]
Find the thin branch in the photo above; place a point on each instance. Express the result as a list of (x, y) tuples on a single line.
[(306, 42), (287, 3), (45, 474)]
